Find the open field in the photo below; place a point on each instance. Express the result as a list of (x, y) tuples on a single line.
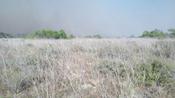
[(87, 68)]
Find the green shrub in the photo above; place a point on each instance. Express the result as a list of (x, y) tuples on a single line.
[(70, 36), (49, 34), (5, 35), (155, 73), (172, 34), (154, 34), (98, 36)]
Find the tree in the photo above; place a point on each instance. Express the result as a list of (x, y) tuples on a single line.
[(146, 34), (154, 34), (49, 34), (94, 36), (62, 34), (70, 36), (97, 36), (172, 34), (5, 35)]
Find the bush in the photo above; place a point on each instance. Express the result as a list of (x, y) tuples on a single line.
[(155, 73), (94, 36), (5, 35), (154, 34), (49, 34), (172, 34)]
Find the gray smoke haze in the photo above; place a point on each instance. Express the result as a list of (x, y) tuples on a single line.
[(85, 17)]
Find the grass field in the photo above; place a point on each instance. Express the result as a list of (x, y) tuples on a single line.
[(87, 68)]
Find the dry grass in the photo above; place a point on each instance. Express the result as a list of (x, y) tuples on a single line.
[(87, 68)]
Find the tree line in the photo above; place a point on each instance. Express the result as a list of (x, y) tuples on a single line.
[(159, 34), (61, 34), (44, 34)]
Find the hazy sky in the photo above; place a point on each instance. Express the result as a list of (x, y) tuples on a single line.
[(85, 17)]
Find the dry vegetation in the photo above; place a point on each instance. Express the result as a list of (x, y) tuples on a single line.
[(87, 68)]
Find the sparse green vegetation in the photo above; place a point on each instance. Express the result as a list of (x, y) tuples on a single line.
[(155, 73)]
